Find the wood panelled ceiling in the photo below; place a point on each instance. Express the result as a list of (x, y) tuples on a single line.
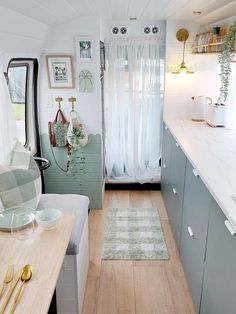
[(53, 12)]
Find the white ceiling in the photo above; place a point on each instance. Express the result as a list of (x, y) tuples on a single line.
[(52, 12)]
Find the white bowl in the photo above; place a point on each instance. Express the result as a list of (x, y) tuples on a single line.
[(48, 218)]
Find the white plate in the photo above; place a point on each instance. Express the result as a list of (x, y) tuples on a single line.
[(6, 218)]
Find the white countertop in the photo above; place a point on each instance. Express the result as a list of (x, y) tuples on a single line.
[(212, 152)]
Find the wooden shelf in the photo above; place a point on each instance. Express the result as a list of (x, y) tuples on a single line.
[(207, 43)]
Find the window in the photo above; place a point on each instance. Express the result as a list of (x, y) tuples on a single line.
[(17, 82), (22, 76)]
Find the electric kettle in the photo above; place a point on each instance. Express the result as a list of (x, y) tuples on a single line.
[(199, 107)]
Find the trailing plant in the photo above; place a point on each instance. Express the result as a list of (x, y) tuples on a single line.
[(225, 58), (76, 158)]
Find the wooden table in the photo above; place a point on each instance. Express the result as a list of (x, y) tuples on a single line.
[(45, 252)]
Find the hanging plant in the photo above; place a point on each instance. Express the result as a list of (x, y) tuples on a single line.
[(225, 58), (77, 139)]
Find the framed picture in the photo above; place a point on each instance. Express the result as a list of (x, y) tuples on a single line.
[(84, 48), (60, 71), (86, 81)]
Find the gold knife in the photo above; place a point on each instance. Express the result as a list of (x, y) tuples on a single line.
[(10, 292)]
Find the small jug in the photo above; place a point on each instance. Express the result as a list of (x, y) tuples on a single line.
[(199, 107)]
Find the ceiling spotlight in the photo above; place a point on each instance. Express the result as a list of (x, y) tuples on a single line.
[(197, 12), (147, 30), (115, 30), (182, 35), (123, 30)]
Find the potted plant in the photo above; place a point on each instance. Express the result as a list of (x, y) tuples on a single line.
[(217, 112)]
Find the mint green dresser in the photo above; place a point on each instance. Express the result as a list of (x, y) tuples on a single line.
[(88, 181)]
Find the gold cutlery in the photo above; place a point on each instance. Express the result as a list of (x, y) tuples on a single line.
[(7, 279), (11, 290), (25, 276)]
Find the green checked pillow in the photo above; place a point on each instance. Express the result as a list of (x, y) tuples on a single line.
[(20, 179)]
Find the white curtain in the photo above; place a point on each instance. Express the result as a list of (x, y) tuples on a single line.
[(133, 88), (7, 120)]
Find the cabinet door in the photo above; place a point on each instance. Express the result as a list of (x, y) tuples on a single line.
[(219, 285), (196, 207), (177, 178), (165, 164)]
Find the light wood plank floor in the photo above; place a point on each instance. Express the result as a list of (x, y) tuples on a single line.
[(128, 287)]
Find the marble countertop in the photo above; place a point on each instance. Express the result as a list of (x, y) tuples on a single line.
[(212, 152)]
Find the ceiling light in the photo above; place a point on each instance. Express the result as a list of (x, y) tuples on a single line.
[(182, 35), (197, 12)]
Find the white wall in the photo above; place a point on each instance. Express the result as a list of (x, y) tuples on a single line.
[(62, 41), (180, 88), (20, 35)]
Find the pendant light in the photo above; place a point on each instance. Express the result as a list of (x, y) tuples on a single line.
[(182, 35)]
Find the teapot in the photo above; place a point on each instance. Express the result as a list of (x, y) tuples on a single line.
[(199, 107)]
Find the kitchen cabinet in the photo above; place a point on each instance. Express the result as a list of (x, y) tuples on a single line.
[(172, 181), (165, 164), (219, 294), (205, 238), (175, 206), (196, 206)]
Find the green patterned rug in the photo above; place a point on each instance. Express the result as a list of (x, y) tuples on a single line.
[(133, 233)]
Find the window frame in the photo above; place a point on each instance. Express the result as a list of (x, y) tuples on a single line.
[(31, 111), (26, 65)]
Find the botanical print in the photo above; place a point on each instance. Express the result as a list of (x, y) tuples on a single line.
[(85, 49), (85, 81), (60, 73)]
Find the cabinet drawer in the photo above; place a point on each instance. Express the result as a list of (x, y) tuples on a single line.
[(196, 207), (219, 285)]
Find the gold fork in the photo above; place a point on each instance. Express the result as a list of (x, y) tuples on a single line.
[(7, 279)]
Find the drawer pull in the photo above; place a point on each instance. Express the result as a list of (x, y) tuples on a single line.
[(174, 191), (195, 173), (176, 144), (230, 227), (164, 166), (190, 231)]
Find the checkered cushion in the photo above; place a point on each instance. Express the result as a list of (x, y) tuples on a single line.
[(20, 180)]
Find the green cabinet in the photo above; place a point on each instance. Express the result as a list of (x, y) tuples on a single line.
[(205, 238), (165, 164), (177, 177), (196, 207), (219, 284), (172, 180)]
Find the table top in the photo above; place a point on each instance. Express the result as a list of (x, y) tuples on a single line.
[(45, 251)]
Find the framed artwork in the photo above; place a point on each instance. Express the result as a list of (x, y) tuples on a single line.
[(60, 71), (84, 48), (86, 81)]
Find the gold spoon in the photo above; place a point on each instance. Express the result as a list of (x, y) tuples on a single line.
[(26, 276)]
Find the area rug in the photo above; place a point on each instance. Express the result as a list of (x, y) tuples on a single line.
[(134, 234)]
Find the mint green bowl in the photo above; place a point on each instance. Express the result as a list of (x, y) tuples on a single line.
[(48, 218)]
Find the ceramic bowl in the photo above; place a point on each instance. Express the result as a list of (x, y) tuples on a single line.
[(48, 218)]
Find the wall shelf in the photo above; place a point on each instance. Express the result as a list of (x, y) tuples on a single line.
[(208, 43)]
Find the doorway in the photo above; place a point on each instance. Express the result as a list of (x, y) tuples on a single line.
[(133, 102)]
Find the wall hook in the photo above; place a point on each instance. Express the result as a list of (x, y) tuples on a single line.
[(72, 100), (59, 100)]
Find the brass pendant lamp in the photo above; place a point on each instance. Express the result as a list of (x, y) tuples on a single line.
[(182, 35)]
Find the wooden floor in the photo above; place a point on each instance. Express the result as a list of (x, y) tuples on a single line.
[(142, 287)]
